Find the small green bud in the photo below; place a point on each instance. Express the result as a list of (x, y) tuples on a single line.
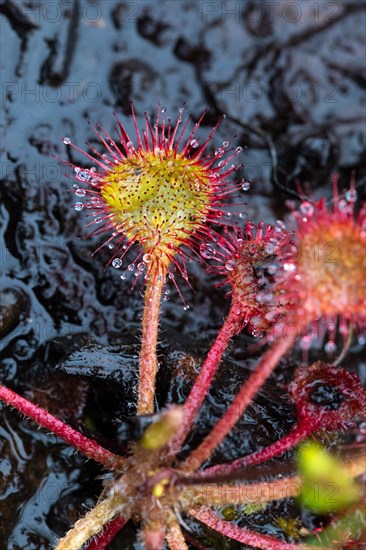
[(159, 434)]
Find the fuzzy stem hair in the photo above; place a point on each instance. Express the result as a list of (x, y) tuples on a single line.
[(102, 541), (297, 434), (229, 529), (174, 536), (203, 381), (88, 447), (148, 365), (90, 524), (239, 405)]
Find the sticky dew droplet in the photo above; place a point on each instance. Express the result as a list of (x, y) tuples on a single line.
[(330, 347), (84, 176), (207, 251), (351, 195), (230, 265), (289, 267), (307, 209), (117, 263)]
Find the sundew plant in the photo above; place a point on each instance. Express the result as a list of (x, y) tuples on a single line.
[(161, 195)]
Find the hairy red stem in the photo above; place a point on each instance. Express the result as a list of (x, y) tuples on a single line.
[(174, 536), (88, 447), (229, 529), (203, 381), (149, 340), (277, 448), (110, 531), (238, 406)]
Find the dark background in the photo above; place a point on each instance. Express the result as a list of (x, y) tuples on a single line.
[(295, 70)]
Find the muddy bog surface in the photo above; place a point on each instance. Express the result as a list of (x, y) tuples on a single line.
[(291, 71)]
